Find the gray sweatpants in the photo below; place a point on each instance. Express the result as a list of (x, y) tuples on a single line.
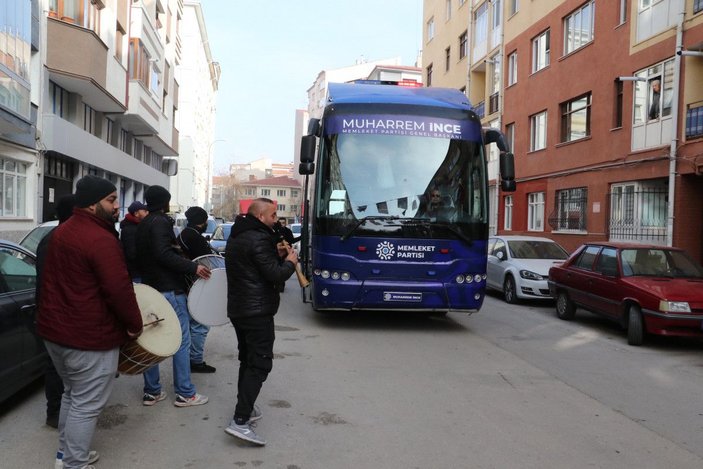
[(88, 377)]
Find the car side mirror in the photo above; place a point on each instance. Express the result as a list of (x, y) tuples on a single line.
[(500, 255)]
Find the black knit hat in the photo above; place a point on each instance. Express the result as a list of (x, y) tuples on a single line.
[(157, 198), (92, 189), (196, 215), (64, 207)]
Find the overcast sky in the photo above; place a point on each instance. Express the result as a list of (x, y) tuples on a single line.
[(270, 53)]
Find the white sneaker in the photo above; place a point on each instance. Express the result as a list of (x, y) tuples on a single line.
[(92, 457)]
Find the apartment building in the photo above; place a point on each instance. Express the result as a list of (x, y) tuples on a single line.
[(605, 109), (198, 73), (99, 90), (462, 42), (19, 47), (285, 190)]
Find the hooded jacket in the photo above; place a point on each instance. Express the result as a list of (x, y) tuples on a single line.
[(128, 238), (255, 272), (87, 300)]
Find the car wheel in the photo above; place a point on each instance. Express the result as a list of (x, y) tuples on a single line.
[(635, 326), (566, 309), (509, 293)]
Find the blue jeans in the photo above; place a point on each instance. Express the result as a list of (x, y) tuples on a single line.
[(181, 360), (198, 334)]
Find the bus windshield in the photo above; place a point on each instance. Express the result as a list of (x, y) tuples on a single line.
[(394, 181)]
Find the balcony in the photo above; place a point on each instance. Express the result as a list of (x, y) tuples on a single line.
[(77, 60)]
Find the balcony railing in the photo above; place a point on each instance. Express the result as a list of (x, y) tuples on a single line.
[(694, 121), (480, 109)]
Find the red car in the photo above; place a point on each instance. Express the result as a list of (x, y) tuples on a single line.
[(647, 289)]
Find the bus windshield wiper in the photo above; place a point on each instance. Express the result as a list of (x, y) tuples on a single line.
[(361, 221)]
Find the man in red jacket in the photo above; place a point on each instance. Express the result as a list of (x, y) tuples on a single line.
[(86, 313)]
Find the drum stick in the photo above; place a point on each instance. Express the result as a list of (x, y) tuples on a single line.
[(153, 322), (304, 282)]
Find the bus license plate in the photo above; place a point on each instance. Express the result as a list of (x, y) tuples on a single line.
[(402, 296)]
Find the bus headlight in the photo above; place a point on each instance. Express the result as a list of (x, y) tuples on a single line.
[(477, 278), (345, 276), (317, 271), (469, 278), (459, 279), (335, 275), (325, 274)]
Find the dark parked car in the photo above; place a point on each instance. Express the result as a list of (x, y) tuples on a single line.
[(23, 357), (647, 289)]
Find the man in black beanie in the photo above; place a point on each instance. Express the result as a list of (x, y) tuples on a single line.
[(165, 269), (85, 316), (195, 245)]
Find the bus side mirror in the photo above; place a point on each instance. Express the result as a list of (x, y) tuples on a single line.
[(491, 135), (306, 168), (507, 172), (169, 166), (314, 127), (307, 149)]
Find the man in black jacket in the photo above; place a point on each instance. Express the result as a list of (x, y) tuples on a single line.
[(256, 268), (136, 212), (195, 245), (164, 269)]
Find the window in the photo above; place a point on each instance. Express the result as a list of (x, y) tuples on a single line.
[(281, 207), (280, 192), (607, 262), (447, 58), (578, 28), (430, 29), (654, 95), (139, 65), (15, 56), (250, 191), (265, 192), (508, 213), (510, 136), (586, 258), (576, 118), (538, 131), (59, 100), (512, 68), (448, 9), (463, 45), (623, 11), (294, 193), (535, 211), (617, 119), (294, 208), (155, 80), (638, 211), (13, 188), (497, 14), (697, 6), (570, 210), (513, 6), (123, 141), (694, 121), (89, 117), (494, 85), (85, 13), (428, 80), (481, 20), (540, 51)]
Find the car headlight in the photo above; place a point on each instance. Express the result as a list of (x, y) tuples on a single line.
[(530, 275), (674, 306)]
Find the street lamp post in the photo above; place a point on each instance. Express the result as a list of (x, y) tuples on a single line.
[(208, 192)]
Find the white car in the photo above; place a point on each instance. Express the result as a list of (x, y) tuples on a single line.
[(519, 266)]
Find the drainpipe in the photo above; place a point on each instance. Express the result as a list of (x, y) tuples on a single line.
[(675, 126)]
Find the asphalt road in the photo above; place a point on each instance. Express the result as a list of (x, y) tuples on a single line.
[(510, 387)]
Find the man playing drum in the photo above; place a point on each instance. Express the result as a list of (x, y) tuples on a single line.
[(195, 245), (86, 314), (164, 269)]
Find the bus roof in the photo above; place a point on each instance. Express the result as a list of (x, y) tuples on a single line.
[(349, 93)]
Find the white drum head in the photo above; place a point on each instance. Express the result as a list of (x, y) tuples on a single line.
[(163, 338), (207, 300)]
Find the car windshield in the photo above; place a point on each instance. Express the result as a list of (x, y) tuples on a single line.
[(659, 263), (31, 241), (527, 249)]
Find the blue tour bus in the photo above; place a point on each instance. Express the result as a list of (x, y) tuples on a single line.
[(398, 213)]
